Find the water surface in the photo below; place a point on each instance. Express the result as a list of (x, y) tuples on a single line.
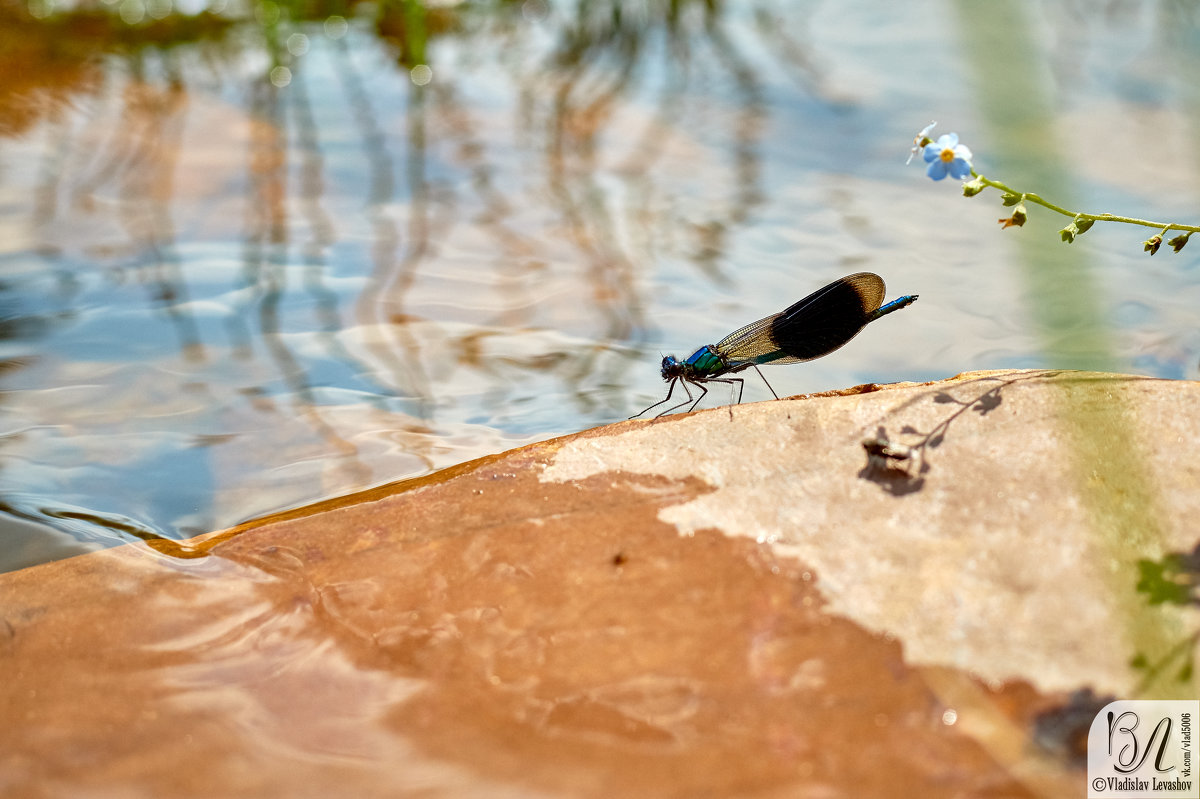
[(252, 256)]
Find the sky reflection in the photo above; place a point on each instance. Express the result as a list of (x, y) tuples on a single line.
[(256, 256)]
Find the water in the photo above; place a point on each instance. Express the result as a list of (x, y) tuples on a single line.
[(259, 258)]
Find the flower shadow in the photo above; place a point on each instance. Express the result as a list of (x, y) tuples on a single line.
[(899, 465)]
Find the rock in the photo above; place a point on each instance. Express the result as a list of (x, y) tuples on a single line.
[(738, 601)]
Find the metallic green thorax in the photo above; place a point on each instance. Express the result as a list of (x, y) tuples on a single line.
[(705, 362)]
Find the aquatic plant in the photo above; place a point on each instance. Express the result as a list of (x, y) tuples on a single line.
[(947, 156)]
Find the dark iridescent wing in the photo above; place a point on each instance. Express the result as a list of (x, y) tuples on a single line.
[(815, 326)]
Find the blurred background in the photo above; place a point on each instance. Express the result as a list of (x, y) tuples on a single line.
[(257, 254)]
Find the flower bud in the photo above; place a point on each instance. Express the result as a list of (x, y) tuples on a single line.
[(1076, 228), (973, 187)]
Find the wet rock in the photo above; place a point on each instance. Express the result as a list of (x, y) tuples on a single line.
[(887, 591)]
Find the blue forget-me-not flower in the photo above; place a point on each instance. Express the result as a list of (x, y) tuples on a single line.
[(947, 157)]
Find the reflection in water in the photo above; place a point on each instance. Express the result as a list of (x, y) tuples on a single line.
[(380, 306), (399, 263), (267, 266), (256, 257)]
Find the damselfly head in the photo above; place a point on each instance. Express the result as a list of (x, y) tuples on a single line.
[(671, 367)]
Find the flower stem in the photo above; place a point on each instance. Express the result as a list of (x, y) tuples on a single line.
[(1033, 198)]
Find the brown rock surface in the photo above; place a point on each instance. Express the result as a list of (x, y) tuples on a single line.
[(725, 603)]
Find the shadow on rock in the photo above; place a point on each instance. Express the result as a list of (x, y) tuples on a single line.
[(891, 462)]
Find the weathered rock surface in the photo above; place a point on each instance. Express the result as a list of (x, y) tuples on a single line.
[(732, 602)]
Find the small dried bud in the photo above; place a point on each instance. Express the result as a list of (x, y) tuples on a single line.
[(1152, 244), (1179, 241), (1017, 219)]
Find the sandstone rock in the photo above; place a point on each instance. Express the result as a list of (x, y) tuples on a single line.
[(732, 602)]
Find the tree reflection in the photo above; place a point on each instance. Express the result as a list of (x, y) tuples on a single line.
[(485, 223)]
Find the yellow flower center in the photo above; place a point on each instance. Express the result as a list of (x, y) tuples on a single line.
[(947, 155)]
